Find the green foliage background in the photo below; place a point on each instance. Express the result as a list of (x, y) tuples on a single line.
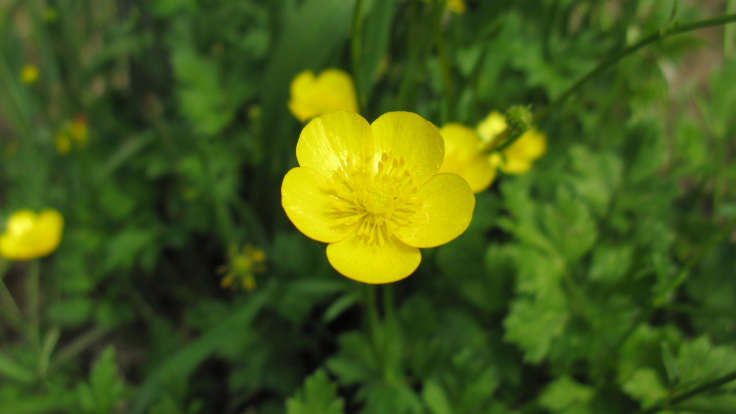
[(600, 282)]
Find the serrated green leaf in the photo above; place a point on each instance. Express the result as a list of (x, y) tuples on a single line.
[(318, 395)]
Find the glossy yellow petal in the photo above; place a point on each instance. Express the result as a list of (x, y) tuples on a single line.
[(491, 126), (447, 204), (371, 263), (408, 136), (331, 91), (463, 157), (48, 231), (308, 205), (533, 144), (332, 140), (520, 155)]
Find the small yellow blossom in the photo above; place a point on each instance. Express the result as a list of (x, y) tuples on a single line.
[(518, 157), (374, 193), (491, 127), (465, 157), (331, 91), (243, 265), (29, 74), (458, 6), (72, 133), (29, 235)]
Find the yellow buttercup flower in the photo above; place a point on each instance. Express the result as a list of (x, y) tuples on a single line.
[(243, 265), (458, 6), (465, 157), (518, 157), (491, 127), (374, 193), (29, 74), (331, 91), (29, 235)]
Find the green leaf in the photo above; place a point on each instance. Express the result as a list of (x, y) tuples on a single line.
[(565, 395), (71, 312), (318, 395), (610, 262), (435, 398), (376, 32), (181, 363), (646, 386), (533, 322), (105, 388)]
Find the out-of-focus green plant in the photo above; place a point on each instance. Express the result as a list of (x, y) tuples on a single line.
[(597, 280)]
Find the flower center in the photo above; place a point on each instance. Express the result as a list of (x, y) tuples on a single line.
[(373, 196)]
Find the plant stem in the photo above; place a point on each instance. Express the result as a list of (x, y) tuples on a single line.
[(77, 346), (9, 307), (447, 87), (708, 386), (615, 57), (356, 46), (728, 31), (412, 45), (374, 323), (33, 297)]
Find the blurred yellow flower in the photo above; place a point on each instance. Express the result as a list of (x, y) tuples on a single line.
[(374, 193), (518, 157), (29, 235), (491, 127), (458, 6), (465, 157), (29, 74), (72, 133), (331, 91), (242, 267)]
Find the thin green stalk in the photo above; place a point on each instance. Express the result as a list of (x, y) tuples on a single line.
[(374, 323), (729, 31), (447, 86), (708, 386), (9, 307), (615, 57), (78, 346), (356, 45), (414, 48), (33, 292)]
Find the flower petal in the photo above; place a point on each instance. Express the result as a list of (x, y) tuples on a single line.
[(409, 136), (447, 208), (463, 157), (331, 140), (48, 231), (385, 263), (308, 205), (331, 91)]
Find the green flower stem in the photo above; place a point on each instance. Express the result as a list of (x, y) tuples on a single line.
[(414, 48), (447, 86), (615, 57), (729, 31), (356, 46), (9, 307), (374, 323), (77, 346), (33, 292), (708, 386)]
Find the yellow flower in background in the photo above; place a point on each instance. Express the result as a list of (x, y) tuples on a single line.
[(331, 91), (465, 157), (29, 235), (458, 6), (242, 267), (518, 157), (491, 127), (74, 133), (374, 193), (29, 74)]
